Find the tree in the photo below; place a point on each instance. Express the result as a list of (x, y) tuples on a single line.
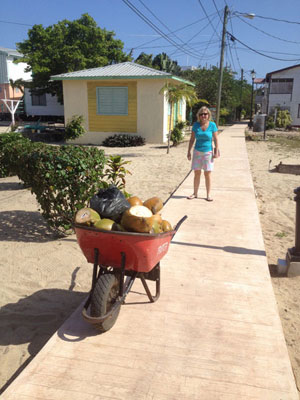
[(175, 93), (232, 99), (17, 84), (164, 63), (145, 59), (66, 47)]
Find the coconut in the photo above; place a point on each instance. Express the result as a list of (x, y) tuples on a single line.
[(166, 226), (137, 219), (135, 201), (105, 223), (154, 204), (87, 216)]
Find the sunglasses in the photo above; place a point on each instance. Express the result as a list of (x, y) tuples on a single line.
[(201, 115)]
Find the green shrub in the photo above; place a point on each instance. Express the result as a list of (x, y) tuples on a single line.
[(62, 178), (270, 124), (5, 139), (177, 134), (123, 140), (283, 119), (74, 128)]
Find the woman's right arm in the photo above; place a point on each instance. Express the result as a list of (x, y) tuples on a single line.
[(191, 142)]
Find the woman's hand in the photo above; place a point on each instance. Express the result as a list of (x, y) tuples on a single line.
[(189, 157)]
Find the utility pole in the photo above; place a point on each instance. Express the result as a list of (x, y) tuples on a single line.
[(226, 11), (241, 98)]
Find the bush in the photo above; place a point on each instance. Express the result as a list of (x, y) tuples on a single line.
[(5, 139), (270, 124), (283, 119), (74, 128), (177, 134), (123, 140), (62, 178)]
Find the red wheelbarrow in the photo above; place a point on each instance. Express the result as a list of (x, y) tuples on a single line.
[(119, 258)]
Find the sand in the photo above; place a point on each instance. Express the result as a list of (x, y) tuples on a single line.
[(44, 279)]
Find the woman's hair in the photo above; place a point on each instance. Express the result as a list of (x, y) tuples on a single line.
[(201, 110)]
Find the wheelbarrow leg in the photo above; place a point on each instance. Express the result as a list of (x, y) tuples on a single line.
[(157, 284)]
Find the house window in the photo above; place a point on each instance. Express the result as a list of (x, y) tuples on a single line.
[(298, 115), (112, 100), (281, 86), (38, 99)]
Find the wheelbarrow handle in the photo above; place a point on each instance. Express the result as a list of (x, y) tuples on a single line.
[(177, 226)]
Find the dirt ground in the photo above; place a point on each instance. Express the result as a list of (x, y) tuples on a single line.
[(277, 208)]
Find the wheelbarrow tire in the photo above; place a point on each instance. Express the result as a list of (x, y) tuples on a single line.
[(103, 298)]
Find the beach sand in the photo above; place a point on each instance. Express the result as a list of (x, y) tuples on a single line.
[(44, 279)]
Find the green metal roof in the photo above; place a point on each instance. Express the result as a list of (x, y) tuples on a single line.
[(126, 70)]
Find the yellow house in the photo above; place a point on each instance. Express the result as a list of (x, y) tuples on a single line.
[(120, 98)]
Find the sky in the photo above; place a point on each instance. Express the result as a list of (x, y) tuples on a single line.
[(189, 31)]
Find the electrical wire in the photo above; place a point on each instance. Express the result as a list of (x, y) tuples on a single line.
[(258, 52), (159, 20), (153, 26), (266, 33), (234, 46), (177, 30), (271, 18), (15, 23), (199, 1)]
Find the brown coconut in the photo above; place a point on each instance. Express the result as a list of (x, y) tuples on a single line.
[(154, 204), (137, 219), (166, 226), (135, 201)]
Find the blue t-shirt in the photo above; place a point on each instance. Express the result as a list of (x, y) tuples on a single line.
[(204, 138)]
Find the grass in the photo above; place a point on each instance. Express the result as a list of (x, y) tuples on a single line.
[(281, 234), (292, 142)]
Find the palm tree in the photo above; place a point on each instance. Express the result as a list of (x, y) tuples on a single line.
[(175, 93)]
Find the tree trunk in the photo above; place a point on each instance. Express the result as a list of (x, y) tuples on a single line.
[(170, 129)]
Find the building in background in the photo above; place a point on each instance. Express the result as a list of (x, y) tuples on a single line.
[(10, 71), (282, 91), (121, 98)]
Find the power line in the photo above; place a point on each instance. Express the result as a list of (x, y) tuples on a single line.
[(273, 19), (15, 23), (258, 52), (153, 26), (199, 1), (266, 33), (196, 34), (159, 20), (177, 30), (234, 46)]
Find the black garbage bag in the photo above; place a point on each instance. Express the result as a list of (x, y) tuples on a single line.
[(109, 203)]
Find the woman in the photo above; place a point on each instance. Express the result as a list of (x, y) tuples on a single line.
[(204, 132)]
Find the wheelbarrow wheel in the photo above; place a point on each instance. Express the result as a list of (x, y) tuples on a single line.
[(104, 296)]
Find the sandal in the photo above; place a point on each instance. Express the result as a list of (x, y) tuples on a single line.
[(209, 199), (191, 197)]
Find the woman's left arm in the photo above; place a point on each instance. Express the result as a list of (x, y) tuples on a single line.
[(216, 142)]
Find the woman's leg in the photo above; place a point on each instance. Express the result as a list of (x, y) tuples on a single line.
[(197, 174), (207, 175)]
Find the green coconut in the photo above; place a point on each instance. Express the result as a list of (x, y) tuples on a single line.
[(105, 223), (87, 216)]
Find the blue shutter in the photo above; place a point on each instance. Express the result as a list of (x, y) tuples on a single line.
[(112, 100)]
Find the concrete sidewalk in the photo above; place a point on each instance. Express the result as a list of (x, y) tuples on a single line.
[(215, 332)]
